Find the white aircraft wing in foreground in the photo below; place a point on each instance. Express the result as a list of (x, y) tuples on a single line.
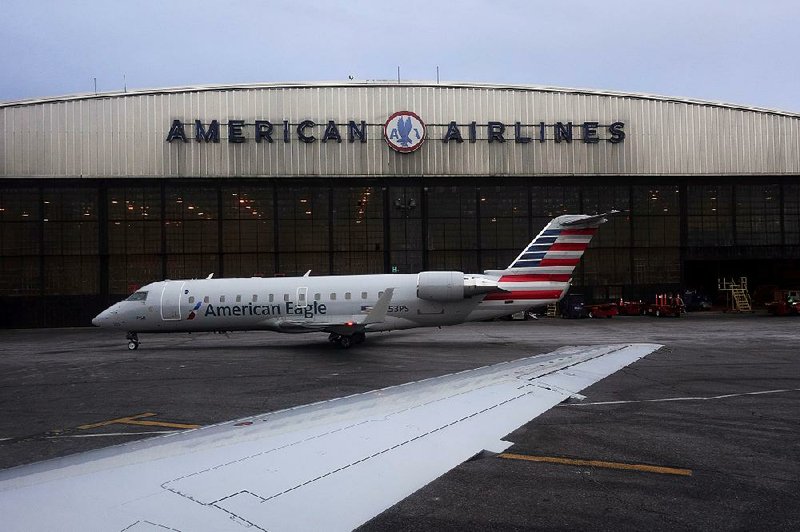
[(327, 466)]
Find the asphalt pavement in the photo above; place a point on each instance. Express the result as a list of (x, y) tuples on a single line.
[(702, 434)]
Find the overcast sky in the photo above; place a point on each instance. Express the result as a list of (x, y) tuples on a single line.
[(736, 51)]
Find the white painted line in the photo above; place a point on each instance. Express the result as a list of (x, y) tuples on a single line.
[(112, 434), (664, 400)]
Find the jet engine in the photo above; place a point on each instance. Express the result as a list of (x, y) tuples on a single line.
[(440, 286), (453, 286)]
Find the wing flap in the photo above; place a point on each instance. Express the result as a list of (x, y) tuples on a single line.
[(354, 457)]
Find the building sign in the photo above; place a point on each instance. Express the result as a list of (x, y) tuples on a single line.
[(404, 131)]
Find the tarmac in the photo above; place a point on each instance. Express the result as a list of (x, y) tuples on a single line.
[(702, 434)]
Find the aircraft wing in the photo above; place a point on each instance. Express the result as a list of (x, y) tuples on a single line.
[(348, 324), (326, 466)]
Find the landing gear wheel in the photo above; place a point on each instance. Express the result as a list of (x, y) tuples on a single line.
[(333, 338), (345, 342), (133, 340)]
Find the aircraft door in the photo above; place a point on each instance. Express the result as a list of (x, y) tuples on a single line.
[(302, 296), (171, 300)]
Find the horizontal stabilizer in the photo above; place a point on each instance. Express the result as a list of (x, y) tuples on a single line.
[(589, 221)]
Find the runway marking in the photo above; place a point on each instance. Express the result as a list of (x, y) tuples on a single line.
[(135, 420), (108, 434), (599, 463), (664, 400)]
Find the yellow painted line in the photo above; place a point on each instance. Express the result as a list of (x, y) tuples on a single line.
[(599, 463), (135, 420)]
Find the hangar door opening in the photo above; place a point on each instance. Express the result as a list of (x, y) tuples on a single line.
[(763, 276)]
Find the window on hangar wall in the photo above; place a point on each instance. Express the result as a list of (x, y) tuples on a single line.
[(709, 215), (303, 230), (134, 237), (452, 236), (191, 226), (248, 236), (71, 241), (20, 241), (504, 225), (358, 244)]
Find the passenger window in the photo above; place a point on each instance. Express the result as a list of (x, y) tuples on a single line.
[(205, 299), (271, 298), (317, 296), (238, 299), (347, 295), (363, 295), (380, 294), (222, 299), (333, 296), (191, 299), (255, 298), (286, 297)]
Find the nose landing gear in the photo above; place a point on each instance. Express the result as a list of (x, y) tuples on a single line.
[(133, 340)]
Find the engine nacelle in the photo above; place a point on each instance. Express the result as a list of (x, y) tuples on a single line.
[(440, 286)]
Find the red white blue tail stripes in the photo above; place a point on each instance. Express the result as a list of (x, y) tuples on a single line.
[(542, 272), (554, 251)]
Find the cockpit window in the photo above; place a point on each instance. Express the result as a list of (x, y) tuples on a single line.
[(137, 296)]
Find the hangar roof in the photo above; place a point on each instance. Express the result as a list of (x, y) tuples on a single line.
[(390, 83)]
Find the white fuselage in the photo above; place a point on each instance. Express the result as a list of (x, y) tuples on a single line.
[(295, 304)]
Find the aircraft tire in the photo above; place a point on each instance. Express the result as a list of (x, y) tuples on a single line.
[(133, 345), (345, 342)]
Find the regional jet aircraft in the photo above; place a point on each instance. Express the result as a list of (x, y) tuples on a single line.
[(348, 306)]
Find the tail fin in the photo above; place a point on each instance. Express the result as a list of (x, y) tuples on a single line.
[(556, 250)]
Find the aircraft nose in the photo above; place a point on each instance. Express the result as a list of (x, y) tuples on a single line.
[(101, 319)]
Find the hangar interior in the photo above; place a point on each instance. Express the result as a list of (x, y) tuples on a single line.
[(97, 198), (69, 249)]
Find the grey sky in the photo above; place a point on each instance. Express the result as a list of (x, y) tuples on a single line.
[(736, 51)]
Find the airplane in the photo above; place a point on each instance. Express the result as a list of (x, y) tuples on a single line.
[(348, 306), (331, 465)]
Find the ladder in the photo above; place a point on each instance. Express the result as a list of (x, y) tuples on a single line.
[(552, 310), (741, 298)]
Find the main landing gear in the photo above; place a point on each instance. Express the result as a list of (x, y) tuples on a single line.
[(133, 340), (347, 340)]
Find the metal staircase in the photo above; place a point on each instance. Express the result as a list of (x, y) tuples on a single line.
[(739, 298), (552, 310)]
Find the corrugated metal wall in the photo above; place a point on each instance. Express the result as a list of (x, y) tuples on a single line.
[(124, 135)]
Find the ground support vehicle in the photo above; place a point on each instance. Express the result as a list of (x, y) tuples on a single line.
[(631, 308), (783, 308), (603, 310), (666, 306), (573, 306)]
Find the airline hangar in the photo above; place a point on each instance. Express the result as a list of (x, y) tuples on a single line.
[(100, 194)]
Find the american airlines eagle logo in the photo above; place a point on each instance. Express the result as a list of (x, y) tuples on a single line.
[(404, 131), (192, 314)]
